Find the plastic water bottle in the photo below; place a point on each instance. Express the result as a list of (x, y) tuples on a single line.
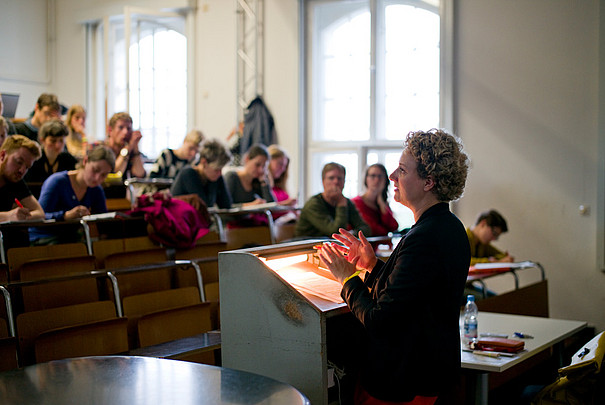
[(470, 320)]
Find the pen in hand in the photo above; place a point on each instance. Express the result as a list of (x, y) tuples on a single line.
[(19, 203)]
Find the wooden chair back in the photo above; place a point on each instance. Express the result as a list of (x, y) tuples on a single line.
[(8, 353), (143, 281), (284, 232), (238, 238), (58, 293), (171, 324), (136, 306), (105, 247), (19, 255), (97, 338), (32, 324)]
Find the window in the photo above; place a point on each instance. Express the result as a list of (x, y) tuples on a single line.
[(149, 80), (374, 74)]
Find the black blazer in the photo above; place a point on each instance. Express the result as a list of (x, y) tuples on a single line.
[(410, 307)]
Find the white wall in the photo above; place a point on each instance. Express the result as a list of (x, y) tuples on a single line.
[(527, 81)]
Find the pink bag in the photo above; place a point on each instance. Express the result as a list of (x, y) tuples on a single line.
[(175, 222)]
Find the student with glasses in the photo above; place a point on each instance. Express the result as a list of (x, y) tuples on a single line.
[(488, 228), (373, 205)]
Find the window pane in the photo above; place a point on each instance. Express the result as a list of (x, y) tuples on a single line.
[(411, 70), (341, 71)]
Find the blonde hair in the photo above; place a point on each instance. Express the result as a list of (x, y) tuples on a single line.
[(73, 110), (14, 142), (195, 136), (277, 152)]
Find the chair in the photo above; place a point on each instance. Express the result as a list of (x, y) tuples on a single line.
[(206, 257), (19, 255), (105, 247), (284, 232), (238, 238), (144, 281), (89, 339), (175, 323), (8, 353), (136, 306), (58, 293), (31, 324)]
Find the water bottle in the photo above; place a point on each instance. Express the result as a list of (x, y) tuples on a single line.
[(470, 320)]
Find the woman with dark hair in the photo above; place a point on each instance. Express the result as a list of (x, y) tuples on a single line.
[(249, 184), (411, 342), (372, 205)]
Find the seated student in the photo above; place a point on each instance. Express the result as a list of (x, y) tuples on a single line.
[(17, 154), (205, 179), (54, 159), (76, 142), (74, 194), (47, 108), (170, 161), (325, 213), (278, 173), (124, 142), (249, 184), (488, 227), (373, 204), (3, 129)]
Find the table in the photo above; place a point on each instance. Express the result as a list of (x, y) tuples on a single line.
[(122, 380), (547, 332)]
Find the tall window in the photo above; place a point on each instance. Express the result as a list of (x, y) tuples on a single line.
[(140, 66), (374, 74)]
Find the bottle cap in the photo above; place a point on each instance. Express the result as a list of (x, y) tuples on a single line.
[(470, 297)]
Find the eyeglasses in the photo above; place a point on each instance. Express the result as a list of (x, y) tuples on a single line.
[(376, 176)]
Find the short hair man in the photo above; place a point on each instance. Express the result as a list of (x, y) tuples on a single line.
[(17, 154), (47, 108), (125, 144), (325, 213), (488, 227)]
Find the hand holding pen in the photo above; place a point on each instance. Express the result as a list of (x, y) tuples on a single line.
[(20, 213)]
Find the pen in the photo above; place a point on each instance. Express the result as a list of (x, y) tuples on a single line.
[(19, 203), (523, 335)]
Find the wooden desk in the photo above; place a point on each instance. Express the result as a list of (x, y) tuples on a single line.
[(119, 380), (547, 333)]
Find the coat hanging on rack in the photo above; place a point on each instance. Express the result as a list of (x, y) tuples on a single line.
[(259, 126)]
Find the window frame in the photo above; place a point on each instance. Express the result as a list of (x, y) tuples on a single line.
[(308, 146)]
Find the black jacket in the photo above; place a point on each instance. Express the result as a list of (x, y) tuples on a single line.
[(410, 307)]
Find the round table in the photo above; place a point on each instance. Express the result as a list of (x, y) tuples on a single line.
[(127, 380)]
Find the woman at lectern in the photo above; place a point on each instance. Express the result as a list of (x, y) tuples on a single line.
[(412, 350)]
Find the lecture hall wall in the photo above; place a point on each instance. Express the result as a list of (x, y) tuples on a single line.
[(526, 107)]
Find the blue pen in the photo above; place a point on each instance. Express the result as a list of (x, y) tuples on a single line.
[(523, 335)]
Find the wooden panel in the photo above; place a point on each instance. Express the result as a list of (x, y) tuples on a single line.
[(8, 353), (17, 256), (103, 248), (531, 300), (171, 324), (32, 324), (91, 339), (59, 293), (250, 236), (138, 305)]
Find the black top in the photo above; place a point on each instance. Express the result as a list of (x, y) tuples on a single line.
[(410, 308), (9, 192), (42, 169), (188, 181)]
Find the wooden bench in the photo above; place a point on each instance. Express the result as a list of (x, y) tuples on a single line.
[(188, 349)]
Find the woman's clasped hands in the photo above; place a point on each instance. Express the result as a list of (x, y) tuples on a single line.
[(344, 261)]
